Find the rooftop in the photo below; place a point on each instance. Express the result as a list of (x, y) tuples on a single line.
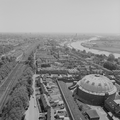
[(97, 84)]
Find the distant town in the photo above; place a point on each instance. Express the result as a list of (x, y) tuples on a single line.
[(59, 77)]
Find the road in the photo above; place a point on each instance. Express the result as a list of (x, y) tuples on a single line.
[(32, 113)]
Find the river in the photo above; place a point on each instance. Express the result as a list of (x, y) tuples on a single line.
[(77, 45)]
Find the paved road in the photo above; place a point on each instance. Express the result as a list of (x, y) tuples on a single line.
[(32, 113)]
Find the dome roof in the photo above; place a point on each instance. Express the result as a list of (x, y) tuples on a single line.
[(95, 83)]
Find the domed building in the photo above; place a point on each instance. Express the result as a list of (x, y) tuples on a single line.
[(94, 88)]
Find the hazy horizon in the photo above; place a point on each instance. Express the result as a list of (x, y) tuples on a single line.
[(60, 16)]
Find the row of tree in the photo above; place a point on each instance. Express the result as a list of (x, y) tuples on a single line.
[(6, 65), (19, 98), (111, 63), (5, 59), (30, 61), (5, 48)]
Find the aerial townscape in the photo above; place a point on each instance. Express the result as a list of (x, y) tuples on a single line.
[(44, 77), (59, 59)]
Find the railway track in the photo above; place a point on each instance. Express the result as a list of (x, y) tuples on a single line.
[(6, 88), (10, 82), (7, 81)]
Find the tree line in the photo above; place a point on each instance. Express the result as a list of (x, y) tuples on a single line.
[(19, 98)]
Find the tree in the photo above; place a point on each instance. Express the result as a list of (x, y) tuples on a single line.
[(19, 98), (111, 57), (23, 95), (84, 51), (15, 114), (14, 109), (110, 65), (66, 49), (1, 63), (73, 49), (14, 101)]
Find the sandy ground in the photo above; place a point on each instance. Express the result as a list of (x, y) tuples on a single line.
[(32, 113)]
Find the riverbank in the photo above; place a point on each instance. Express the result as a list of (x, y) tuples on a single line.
[(79, 46), (108, 46)]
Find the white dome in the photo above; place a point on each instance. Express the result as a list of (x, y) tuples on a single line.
[(95, 83)]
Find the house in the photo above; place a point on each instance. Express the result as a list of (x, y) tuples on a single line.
[(45, 102)]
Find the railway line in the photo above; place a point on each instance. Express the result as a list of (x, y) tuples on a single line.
[(6, 88), (13, 77), (6, 82)]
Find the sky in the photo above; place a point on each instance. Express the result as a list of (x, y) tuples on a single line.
[(79, 16)]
